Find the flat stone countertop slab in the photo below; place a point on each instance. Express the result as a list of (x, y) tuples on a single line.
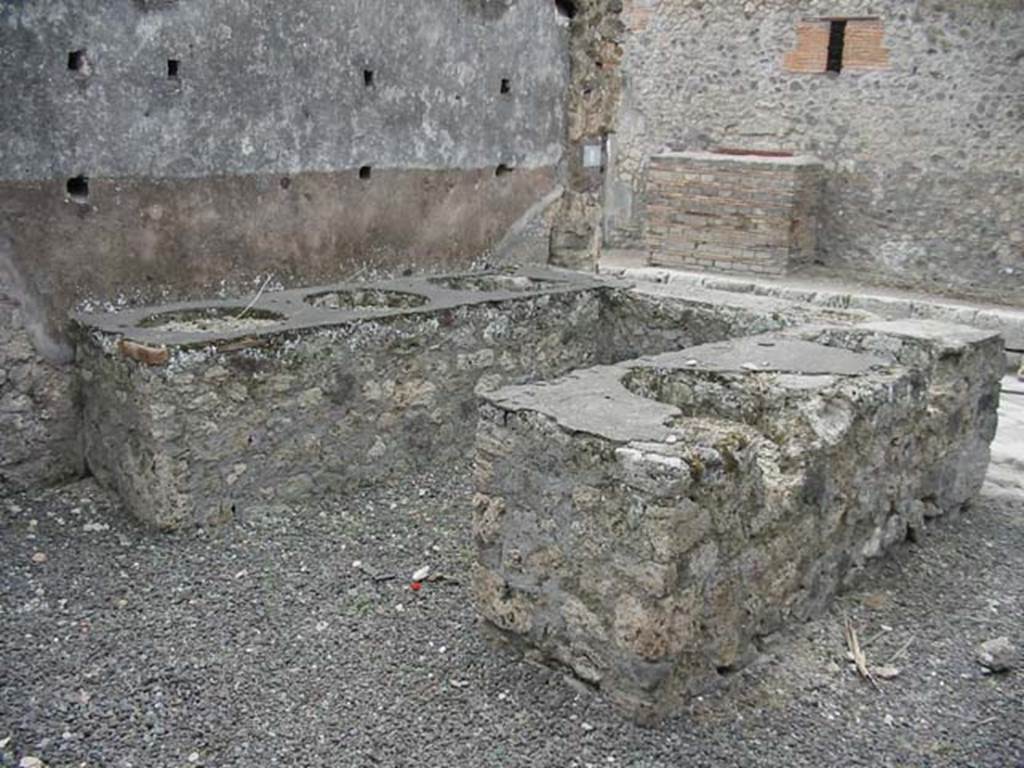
[(596, 400), (305, 309)]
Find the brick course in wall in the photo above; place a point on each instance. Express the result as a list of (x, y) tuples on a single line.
[(811, 52), (738, 213), (864, 48)]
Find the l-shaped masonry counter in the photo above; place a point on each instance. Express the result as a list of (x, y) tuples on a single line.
[(199, 412), (640, 522), (643, 523)]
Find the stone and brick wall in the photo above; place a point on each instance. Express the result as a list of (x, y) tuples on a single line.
[(596, 30), (920, 131), (733, 213)]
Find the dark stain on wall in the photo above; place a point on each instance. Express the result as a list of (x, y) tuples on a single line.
[(145, 240), (489, 10)]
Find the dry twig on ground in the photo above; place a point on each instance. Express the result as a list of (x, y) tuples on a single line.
[(859, 659)]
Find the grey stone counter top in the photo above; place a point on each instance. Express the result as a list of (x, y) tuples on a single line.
[(599, 400), (338, 304)]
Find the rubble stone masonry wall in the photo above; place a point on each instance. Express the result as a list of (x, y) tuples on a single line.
[(921, 132), (38, 419), (192, 425)]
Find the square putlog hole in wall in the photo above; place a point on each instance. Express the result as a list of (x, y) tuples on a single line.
[(366, 172), (566, 8), (368, 78), (78, 189), (173, 69), (78, 61), (506, 86)]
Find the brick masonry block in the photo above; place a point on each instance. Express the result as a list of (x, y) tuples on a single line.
[(864, 48), (731, 211), (811, 52)]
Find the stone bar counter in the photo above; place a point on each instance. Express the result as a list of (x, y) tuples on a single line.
[(197, 413), (643, 523)]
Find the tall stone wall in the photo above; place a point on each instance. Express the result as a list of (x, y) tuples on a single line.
[(921, 131), (156, 148)]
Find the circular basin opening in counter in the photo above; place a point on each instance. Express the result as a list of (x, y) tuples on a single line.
[(212, 320), (489, 283), (366, 298), (697, 393)]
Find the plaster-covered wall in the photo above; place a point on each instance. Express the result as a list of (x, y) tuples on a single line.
[(244, 156), (215, 143), (925, 158)]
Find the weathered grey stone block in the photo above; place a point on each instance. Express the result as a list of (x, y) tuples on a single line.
[(196, 413), (644, 523)]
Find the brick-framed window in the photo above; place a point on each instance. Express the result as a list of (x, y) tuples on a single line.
[(838, 45)]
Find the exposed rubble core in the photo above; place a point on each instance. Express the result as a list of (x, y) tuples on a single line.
[(38, 420), (313, 392), (643, 524), (596, 33)]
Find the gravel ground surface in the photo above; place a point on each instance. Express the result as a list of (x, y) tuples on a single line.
[(266, 644)]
